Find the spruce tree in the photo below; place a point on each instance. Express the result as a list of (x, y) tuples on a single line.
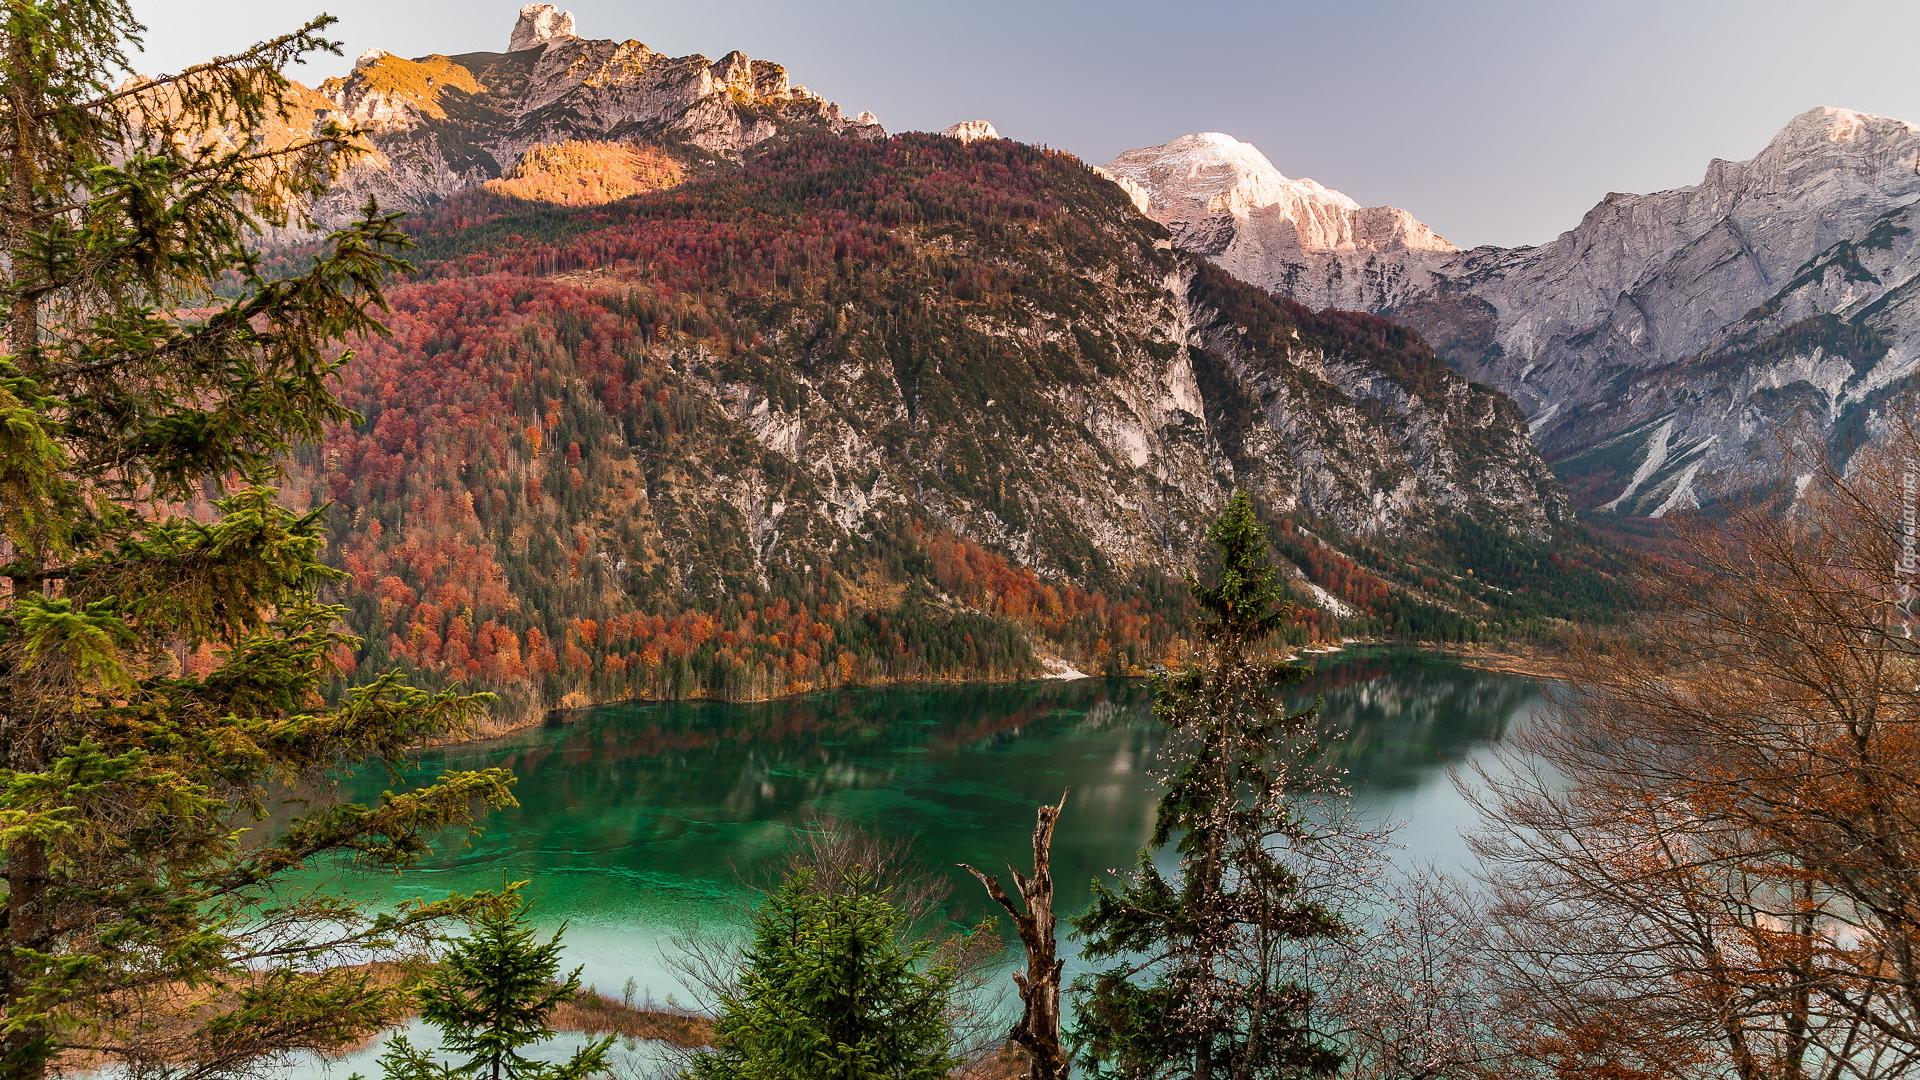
[(163, 645), (492, 995), (1205, 989), (829, 990)]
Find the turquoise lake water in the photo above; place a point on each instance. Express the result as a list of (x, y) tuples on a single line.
[(637, 821)]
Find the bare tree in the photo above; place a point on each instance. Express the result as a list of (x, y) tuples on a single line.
[(1708, 862), (1407, 996), (1038, 1030)]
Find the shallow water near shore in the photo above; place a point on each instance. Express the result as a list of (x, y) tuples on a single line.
[(638, 821)]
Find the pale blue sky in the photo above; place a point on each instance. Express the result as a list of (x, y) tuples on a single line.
[(1492, 122)]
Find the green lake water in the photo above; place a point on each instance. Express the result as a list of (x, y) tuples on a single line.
[(638, 820)]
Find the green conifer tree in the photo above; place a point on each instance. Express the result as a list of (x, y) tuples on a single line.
[(1206, 990), (492, 995), (829, 990), (150, 376)]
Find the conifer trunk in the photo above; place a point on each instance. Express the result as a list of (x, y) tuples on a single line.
[(25, 1048), (23, 336), (26, 1052)]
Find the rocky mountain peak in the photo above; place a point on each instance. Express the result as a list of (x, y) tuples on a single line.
[(1840, 126), (539, 24), (1827, 154), (1221, 197), (1201, 176), (1212, 171), (969, 130), (1660, 345), (440, 125), (388, 93)]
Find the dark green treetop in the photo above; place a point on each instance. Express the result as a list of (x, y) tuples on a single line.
[(1245, 605), (1205, 988), (493, 995), (830, 988)]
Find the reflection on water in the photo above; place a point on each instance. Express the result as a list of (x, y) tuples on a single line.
[(1406, 713), (641, 818)]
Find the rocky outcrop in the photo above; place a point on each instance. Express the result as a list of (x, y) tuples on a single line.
[(539, 24), (576, 173), (1223, 199), (443, 124), (1141, 198), (1665, 347), (1343, 418), (969, 130)]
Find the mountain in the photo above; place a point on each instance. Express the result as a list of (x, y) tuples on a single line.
[(1665, 347), (700, 388), (439, 125), (1222, 198), (859, 410)]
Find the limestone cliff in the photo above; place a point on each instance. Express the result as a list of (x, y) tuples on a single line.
[(443, 124), (1223, 199), (1659, 348)]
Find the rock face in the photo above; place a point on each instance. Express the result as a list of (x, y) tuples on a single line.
[(539, 24), (443, 124), (969, 130), (1663, 346), (1223, 199)]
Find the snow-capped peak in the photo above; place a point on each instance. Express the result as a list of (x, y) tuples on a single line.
[(1218, 172), (1222, 198)]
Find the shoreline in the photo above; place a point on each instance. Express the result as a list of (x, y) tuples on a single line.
[(1534, 663), (590, 1011)]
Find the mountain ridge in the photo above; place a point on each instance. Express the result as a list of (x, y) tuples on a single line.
[(955, 406), (1660, 345), (439, 125)]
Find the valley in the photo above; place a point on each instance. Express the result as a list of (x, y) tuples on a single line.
[(834, 408), (587, 561)]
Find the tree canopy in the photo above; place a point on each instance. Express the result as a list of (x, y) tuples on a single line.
[(832, 986), (163, 644), (492, 995), (1205, 988)]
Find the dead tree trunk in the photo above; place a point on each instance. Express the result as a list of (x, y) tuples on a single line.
[(1038, 1031)]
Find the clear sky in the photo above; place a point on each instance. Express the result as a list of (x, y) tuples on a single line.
[(1495, 123)]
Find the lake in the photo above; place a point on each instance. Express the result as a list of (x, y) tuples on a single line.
[(638, 820)]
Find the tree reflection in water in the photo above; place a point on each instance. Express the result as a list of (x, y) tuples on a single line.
[(636, 818)]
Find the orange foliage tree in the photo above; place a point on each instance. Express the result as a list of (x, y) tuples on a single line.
[(1708, 863)]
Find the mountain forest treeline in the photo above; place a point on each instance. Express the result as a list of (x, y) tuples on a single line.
[(1698, 864), (542, 493)]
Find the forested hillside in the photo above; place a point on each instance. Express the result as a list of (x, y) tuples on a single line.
[(861, 411)]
